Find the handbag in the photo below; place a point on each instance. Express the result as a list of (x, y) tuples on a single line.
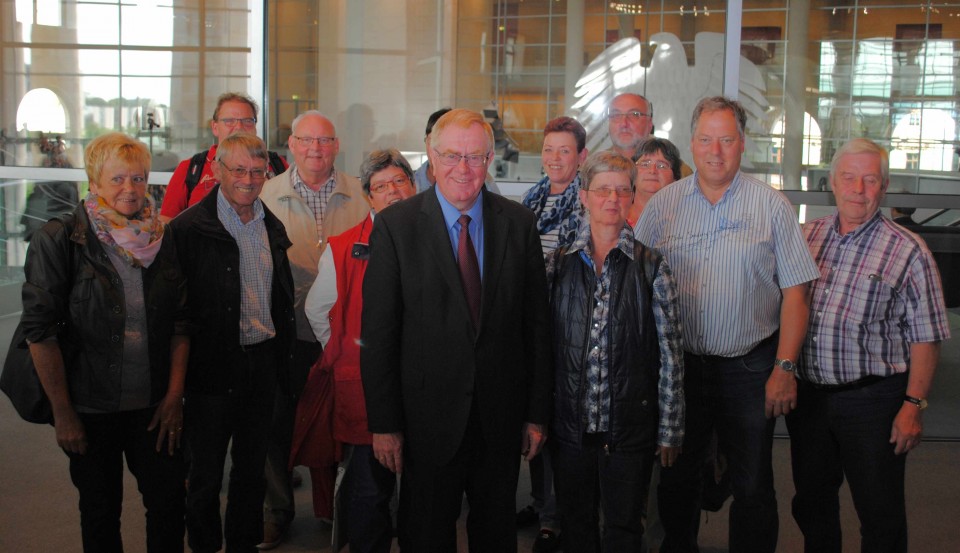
[(20, 382)]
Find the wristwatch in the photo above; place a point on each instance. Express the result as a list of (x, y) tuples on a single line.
[(920, 403), (786, 365)]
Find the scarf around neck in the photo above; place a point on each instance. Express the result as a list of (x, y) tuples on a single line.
[(137, 240), (565, 213)]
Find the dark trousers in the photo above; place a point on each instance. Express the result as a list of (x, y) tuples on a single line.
[(278, 505), (98, 476), (431, 496), (846, 432), (210, 423), (365, 493), (725, 395), (591, 477)]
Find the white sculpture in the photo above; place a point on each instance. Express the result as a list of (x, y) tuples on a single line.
[(670, 83)]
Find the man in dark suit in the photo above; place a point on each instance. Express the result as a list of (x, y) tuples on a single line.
[(455, 355)]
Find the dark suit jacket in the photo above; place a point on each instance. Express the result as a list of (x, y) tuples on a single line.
[(422, 363)]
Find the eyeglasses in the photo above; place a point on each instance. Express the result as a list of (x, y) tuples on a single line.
[(605, 192), (648, 163), (321, 140), (382, 186), (451, 160), (242, 172), (631, 115), (233, 121)]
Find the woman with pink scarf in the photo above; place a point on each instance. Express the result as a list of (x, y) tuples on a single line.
[(104, 317)]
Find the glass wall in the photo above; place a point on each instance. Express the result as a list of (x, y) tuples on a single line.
[(72, 70)]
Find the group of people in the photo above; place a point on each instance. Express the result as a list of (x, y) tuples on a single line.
[(611, 327)]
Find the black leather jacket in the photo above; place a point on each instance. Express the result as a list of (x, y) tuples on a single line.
[(211, 260), (72, 291), (634, 351)]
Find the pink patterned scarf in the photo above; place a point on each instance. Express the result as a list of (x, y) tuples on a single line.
[(136, 239)]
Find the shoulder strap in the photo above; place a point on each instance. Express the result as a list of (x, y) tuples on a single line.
[(194, 171), (276, 163)]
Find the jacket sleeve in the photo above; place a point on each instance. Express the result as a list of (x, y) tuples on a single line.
[(536, 339), (381, 333), (49, 279)]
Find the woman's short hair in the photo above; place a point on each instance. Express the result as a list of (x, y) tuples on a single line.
[(863, 146), (606, 161), (666, 148), (114, 145), (570, 125), (464, 119), (242, 142), (378, 161)]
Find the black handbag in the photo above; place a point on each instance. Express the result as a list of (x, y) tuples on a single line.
[(20, 382)]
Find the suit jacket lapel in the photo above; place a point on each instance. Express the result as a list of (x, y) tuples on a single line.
[(496, 231)]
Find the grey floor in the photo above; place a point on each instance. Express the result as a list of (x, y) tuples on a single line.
[(38, 504)]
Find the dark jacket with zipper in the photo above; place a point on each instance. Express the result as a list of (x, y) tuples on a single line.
[(210, 258), (73, 292), (633, 348)]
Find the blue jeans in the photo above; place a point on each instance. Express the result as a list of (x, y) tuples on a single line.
[(726, 395), (365, 498), (845, 432), (590, 478), (211, 422), (98, 476)]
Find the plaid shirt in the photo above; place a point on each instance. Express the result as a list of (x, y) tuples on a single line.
[(316, 200), (256, 271), (879, 291), (666, 312)]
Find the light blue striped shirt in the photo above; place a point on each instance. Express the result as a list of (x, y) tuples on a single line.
[(451, 216), (256, 271), (730, 260)]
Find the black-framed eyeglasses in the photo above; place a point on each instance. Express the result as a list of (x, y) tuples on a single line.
[(632, 115), (232, 121), (321, 140), (242, 172), (451, 159)]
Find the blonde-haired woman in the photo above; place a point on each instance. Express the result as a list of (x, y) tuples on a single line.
[(103, 315)]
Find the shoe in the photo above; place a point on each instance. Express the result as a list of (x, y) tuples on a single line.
[(546, 542), (273, 534), (296, 480), (527, 516)]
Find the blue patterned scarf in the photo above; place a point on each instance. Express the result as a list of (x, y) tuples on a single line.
[(565, 213)]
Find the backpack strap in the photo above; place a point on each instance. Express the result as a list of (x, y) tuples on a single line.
[(194, 171), (276, 163)]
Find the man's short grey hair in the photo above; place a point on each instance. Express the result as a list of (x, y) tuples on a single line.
[(863, 146), (242, 142), (378, 161), (639, 97), (606, 161), (309, 113), (719, 103)]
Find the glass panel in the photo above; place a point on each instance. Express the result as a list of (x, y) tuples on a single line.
[(153, 93)]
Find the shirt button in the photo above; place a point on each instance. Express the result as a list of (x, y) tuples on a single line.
[(229, 269), (114, 338), (116, 308)]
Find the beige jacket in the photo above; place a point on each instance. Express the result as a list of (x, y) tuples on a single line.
[(346, 207)]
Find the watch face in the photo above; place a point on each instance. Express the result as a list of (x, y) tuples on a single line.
[(786, 365)]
